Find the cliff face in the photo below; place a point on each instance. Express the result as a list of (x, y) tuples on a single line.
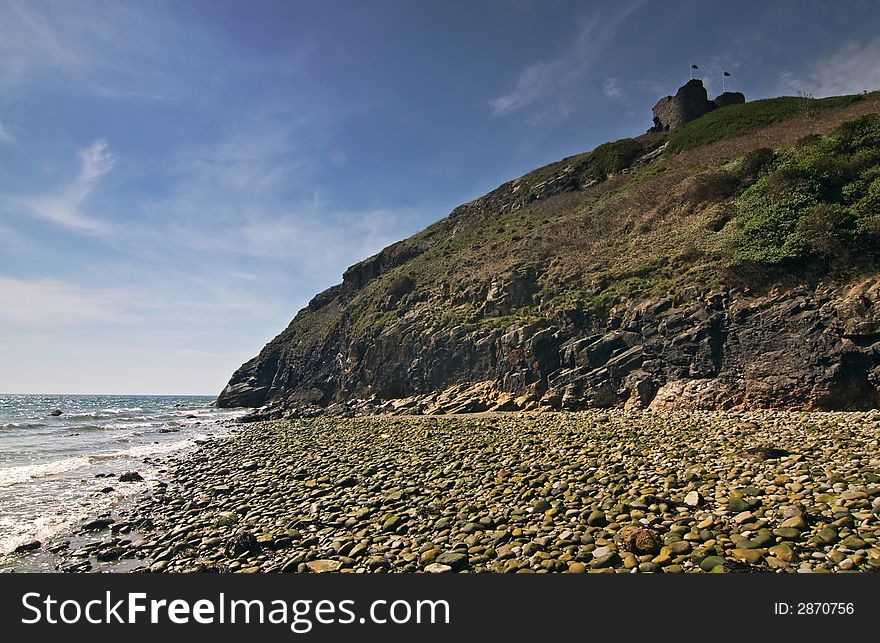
[(619, 277), (813, 348)]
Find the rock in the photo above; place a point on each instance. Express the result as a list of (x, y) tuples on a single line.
[(751, 556), (391, 523), (828, 536), (242, 542), (638, 540), (853, 542), (764, 452), (738, 567), (787, 533), (738, 505), (711, 562), (608, 559), (693, 499), (226, 518), (744, 517), (456, 560), (437, 568), (783, 552), (795, 522), (597, 519), (31, 545), (97, 524), (540, 505), (322, 566), (131, 476), (55, 412)]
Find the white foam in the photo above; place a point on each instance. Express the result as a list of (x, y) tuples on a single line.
[(123, 409), (23, 473)]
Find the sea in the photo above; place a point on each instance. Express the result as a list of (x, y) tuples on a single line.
[(58, 470)]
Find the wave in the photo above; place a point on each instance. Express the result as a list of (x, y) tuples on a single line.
[(116, 410), (23, 425), (23, 473)]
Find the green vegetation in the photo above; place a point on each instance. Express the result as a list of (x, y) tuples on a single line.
[(819, 198), (735, 120), (611, 157)]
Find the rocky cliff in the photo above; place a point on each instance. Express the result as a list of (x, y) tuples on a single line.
[(741, 273)]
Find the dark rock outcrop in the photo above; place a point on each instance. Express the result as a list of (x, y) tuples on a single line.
[(729, 98), (809, 348)]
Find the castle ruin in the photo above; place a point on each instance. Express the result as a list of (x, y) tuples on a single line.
[(689, 103)]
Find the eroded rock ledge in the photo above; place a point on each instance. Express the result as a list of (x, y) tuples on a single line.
[(809, 348)]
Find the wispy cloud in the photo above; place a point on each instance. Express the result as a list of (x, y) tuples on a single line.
[(853, 68), (64, 207), (6, 137), (52, 302), (112, 50), (257, 193), (543, 85), (611, 88)]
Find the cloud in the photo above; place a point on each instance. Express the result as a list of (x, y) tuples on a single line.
[(611, 88), (6, 137), (548, 82), (96, 162), (853, 68), (256, 192), (116, 51), (64, 207), (52, 302)]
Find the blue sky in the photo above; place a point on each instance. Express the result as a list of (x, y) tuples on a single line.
[(177, 179)]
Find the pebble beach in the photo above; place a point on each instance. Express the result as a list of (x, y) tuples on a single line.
[(595, 492)]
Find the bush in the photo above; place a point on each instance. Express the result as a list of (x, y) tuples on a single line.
[(755, 163), (821, 200), (711, 186), (825, 230), (611, 157)]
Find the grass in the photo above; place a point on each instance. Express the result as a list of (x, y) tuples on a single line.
[(735, 120)]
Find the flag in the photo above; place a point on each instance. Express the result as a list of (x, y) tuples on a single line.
[(725, 73)]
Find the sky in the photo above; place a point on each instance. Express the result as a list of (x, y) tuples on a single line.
[(177, 179)]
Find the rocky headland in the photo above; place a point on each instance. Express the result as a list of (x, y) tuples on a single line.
[(726, 261)]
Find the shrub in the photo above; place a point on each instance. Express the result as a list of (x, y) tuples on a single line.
[(754, 164), (611, 157), (714, 185), (821, 200)]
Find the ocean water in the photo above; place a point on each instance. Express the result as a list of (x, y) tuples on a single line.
[(53, 470)]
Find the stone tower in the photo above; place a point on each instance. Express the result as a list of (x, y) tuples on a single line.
[(689, 103)]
